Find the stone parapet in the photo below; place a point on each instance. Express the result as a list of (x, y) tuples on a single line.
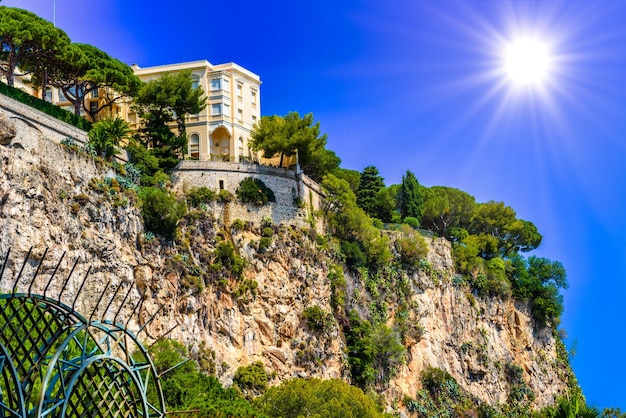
[(297, 196), (50, 127)]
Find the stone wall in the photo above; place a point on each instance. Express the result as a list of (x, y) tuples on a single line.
[(49, 127), (289, 187)]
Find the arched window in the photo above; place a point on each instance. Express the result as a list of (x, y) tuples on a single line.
[(194, 146)]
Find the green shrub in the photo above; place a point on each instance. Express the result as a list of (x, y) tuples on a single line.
[(411, 221), (251, 379), (264, 244), (238, 225), (412, 247), (161, 210), (317, 319), (247, 286), (337, 287), (355, 257), (226, 257), (186, 388), (255, 192), (200, 195), (46, 107), (317, 398), (439, 383), (225, 196)]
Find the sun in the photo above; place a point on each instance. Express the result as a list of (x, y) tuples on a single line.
[(527, 61)]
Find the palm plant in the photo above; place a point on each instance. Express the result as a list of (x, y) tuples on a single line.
[(107, 134)]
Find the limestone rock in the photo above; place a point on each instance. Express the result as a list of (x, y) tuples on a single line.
[(471, 338), (7, 130)]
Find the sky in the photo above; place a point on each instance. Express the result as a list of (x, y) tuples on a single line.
[(419, 85)]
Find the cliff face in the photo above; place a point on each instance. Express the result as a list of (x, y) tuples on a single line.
[(53, 197)]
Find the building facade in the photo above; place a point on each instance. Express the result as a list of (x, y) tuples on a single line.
[(220, 132)]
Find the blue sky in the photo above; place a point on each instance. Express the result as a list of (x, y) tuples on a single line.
[(415, 84)]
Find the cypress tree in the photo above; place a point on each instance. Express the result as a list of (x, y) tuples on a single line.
[(370, 184), (411, 198)]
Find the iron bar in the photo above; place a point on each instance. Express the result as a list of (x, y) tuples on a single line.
[(45, 290), (176, 366), (130, 288), (137, 306), (104, 314), (4, 263), (67, 280), (164, 335), (21, 270), (37, 271), (98, 302), (80, 288), (150, 320)]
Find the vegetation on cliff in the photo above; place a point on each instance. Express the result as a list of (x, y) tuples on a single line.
[(375, 235)]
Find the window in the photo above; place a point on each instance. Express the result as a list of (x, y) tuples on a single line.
[(48, 94), (240, 143), (253, 120), (194, 145), (239, 115), (221, 184), (94, 94), (226, 110), (93, 107), (239, 90), (216, 84), (253, 94), (226, 85), (195, 82), (216, 109)]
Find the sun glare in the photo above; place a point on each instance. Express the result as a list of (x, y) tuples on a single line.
[(526, 62)]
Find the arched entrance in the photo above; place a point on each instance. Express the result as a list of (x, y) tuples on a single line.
[(221, 144)]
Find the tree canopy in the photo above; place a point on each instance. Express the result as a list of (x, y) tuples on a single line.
[(27, 40), (82, 68), (172, 94), (291, 135)]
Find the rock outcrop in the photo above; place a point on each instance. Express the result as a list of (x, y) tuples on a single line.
[(52, 197)]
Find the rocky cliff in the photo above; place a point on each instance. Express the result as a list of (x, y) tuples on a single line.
[(52, 196)]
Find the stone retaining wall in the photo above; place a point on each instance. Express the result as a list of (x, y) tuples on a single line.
[(297, 196)]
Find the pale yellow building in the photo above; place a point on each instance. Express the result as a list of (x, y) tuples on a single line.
[(221, 131)]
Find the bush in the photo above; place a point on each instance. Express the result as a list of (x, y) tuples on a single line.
[(317, 319), (161, 210), (413, 222), (255, 192), (355, 257), (264, 244), (251, 379), (197, 196), (46, 107), (439, 383), (412, 247), (186, 388), (317, 398), (227, 257), (337, 287)]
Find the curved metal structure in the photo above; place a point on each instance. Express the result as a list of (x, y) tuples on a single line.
[(56, 363)]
